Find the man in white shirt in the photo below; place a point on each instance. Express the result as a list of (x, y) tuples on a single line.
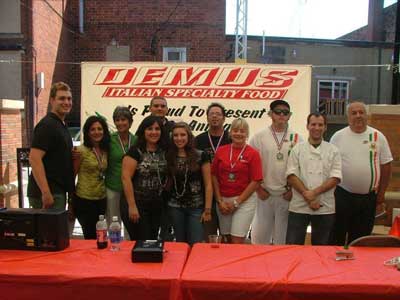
[(366, 161), (274, 144), (313, 170)]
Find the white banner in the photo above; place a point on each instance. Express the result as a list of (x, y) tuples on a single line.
[(245, 90)]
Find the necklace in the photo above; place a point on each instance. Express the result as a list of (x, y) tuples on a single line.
[(156, 160), (279, 144), (180, 195), (232, 175), (99, 158), (122, 145), (211, 142)]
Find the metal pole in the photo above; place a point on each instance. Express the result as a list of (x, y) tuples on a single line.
[(396, 53)]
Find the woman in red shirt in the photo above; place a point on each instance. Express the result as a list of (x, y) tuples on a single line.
[(236, 174)]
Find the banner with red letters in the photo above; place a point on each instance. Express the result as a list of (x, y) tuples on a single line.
[(245, 90)]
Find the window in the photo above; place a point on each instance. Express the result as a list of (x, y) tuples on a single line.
[(10, 17), (174, 54), (333, 96)]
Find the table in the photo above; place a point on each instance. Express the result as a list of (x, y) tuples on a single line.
[(238, 272), (84, 272)]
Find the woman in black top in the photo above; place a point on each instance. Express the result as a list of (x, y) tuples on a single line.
[(144, 171), (191, 188)]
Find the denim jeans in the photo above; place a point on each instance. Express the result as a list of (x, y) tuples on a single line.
[(321, 227), (187, 225)]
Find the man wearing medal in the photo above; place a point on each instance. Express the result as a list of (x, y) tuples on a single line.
[(209, 142), (367, 161), (274, 144)]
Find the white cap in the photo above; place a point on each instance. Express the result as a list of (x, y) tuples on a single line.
[(115, 219)]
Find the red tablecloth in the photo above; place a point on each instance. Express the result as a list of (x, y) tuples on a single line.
[(288, 272), (395, 230), (84, 272)]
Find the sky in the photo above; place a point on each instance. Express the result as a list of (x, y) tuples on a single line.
[(322, 19)]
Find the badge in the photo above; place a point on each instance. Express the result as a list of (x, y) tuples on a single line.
[(231, 177), (373, 146), (279, 156)]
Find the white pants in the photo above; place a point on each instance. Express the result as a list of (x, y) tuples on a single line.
[(237, 223), (113, 199), (270, 221)]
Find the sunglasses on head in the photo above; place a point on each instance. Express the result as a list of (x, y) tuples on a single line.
[(278, 111)]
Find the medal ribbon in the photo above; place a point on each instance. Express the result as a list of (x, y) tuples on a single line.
[(211, 143), (122, 145), (279, 144), (99, 158), (237, 158)]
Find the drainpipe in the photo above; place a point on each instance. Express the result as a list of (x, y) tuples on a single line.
[(81, 15)]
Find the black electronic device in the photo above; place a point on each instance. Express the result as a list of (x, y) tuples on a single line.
[(34, 229), (148, 251)]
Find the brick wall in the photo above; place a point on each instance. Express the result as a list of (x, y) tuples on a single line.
[(389, 125), (389, 26), (387, 120), (146, 26), (10, 139), (52, 32)]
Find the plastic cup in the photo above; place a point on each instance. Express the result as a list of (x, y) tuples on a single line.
[(215, 239)]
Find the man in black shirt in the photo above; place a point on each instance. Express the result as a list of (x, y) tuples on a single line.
[(51, 154), (159, 108), (209, 142)]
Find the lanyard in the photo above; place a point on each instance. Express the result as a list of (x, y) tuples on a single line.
[(211, 143), (279, 143), (99, 158), (122, 145), (237, 158)]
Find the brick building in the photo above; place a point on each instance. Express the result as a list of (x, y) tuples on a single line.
[(143, 30), (381, 24), (43, 41)]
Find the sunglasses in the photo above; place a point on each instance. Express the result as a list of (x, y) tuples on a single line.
[(278, 111)]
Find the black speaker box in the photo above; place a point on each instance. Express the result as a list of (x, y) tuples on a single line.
[(34, 229), (148, 251)]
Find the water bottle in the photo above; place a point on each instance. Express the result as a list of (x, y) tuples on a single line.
[(101, 232), (115, 234)]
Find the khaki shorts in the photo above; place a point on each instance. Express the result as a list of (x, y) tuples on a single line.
[(238, 223)]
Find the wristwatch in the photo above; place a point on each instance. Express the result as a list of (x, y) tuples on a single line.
[(235, 203)]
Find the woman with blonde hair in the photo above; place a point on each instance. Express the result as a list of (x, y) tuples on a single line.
[(236, 174)]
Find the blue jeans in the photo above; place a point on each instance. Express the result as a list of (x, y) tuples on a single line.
[(321, 227), (187, 225)]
